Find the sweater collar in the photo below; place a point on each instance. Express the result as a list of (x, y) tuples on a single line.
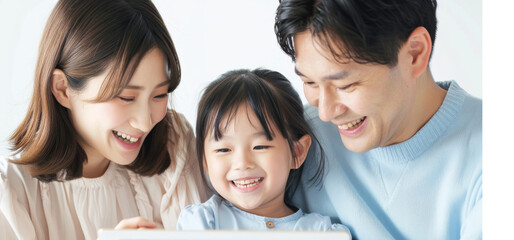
[(429, 133)]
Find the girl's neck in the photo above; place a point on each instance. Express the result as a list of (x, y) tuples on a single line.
[(271, 212)]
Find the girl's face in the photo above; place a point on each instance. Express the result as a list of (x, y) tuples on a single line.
[(115, 130), (246, 168)]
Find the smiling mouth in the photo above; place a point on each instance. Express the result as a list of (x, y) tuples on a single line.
[(125, 138), (247, 183), (352, 125)]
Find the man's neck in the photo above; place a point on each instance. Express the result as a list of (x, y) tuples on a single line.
[(427, 98), (430, 97)]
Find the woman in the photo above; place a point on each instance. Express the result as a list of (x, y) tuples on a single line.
[(98, 144)]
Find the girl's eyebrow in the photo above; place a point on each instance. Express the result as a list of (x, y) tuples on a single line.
[(256, 134), (259, 134), (135, 87)]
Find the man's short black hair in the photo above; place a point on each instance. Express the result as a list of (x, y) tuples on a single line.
[(365, 31)]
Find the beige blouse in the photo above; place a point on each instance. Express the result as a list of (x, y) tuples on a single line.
[(76, 209)]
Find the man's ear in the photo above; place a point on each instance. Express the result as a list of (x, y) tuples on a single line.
[(301, 148), (60, 88), (418, 48)]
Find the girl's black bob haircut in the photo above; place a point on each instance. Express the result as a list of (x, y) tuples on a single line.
[(275, 103)]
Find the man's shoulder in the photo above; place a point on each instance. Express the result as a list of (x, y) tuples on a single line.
[(311, 116), (310, 112), (470, 116), (464, 110)]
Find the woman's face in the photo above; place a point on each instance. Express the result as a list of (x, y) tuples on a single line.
[(115, 130)]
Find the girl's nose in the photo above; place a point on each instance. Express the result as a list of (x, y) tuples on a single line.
[(242, 161)]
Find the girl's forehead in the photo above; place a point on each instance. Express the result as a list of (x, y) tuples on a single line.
[(240, 121), (241, 116)]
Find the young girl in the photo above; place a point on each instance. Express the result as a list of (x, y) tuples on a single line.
[(98, 144), (252, 140)]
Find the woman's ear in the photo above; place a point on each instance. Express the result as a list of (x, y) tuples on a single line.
[(60, 88), (301, 148)]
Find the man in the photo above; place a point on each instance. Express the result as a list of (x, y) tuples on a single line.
[(404, 153)]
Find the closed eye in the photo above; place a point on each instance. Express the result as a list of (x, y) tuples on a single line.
[(162, 95), (222, 150), (126, 99), (310, 84), (347, 86), (261, 147)]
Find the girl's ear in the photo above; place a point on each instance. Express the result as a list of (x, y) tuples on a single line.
[(60, 88), (301, 148), (205, 169)]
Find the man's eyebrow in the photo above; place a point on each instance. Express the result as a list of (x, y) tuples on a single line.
[(336, 76), (135, 87)]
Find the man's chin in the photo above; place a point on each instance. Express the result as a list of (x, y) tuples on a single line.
[(355, 145)]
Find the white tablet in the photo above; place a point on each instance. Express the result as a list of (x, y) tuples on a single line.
[(108, 234)]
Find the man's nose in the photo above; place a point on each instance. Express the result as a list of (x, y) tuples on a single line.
[(329, 105)]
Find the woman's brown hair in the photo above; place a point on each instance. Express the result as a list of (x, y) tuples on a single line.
[(85, 38)]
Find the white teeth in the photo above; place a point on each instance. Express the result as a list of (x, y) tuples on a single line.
[(125, 137), (247, 182), (352, 124)]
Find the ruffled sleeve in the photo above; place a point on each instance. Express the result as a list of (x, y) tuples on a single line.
[(183, 182), (15, 221), (143, 202)]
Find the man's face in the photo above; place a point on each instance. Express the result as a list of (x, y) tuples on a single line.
[(369, 103)]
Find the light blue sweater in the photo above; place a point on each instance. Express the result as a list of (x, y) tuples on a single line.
[(218, 213), (428, 187)]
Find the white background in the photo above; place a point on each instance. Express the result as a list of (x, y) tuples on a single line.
[(212, 37)]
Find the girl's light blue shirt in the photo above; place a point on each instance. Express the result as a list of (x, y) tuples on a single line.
[(218, 213)]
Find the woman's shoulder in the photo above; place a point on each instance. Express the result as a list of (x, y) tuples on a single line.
[(12, 172), (181, 144), (181, 135), (15, 179), (179, 123)]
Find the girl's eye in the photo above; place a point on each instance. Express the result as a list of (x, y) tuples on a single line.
[(222, 150), (126, 99), (162, 95), (261, 147)]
